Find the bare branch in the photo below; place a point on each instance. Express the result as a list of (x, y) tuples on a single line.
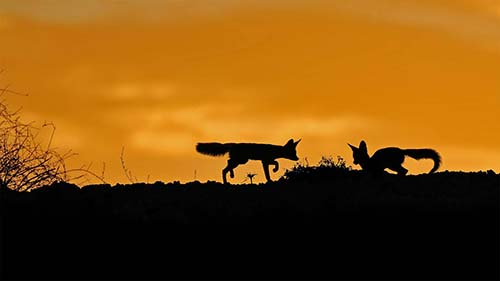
[(26, 163), (127, 172)]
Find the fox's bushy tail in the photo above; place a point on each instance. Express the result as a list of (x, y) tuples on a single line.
[(425, 153), (213, 148)]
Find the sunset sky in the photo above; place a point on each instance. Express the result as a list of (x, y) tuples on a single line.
[(158, 76)]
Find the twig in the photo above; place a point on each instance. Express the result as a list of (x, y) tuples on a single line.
[(127, 172)]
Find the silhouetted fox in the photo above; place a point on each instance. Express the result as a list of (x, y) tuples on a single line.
[(391, 158), (240, 153)]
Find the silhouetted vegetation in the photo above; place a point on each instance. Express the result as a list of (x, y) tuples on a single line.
[(27, 162), (327, 167)]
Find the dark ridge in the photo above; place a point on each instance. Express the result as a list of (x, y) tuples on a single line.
[(314, 223)]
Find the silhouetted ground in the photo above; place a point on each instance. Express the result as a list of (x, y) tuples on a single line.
[(321, 224)]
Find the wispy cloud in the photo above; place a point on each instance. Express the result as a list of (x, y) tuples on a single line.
[(496, 9), (470, 26), (4, 22), (57, 11), (127, 91), (76, 11), (160, 130), (162, 142)]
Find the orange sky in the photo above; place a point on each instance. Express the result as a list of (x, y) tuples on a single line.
[(158, 76)]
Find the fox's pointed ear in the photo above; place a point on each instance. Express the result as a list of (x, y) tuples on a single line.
[(297, 142), (362, 145), (352, 147), (290, 142)]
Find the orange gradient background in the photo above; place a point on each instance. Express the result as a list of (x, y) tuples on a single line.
[(156, 77)]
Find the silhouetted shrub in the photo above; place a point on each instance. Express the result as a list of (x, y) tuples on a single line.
[(26, 162), (326, 168)]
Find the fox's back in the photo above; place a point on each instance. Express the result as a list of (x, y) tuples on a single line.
[(386, 157), (254, 151)]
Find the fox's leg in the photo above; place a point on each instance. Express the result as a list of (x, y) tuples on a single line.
[(231, 164), (236, 162), (276, 166), (265, 165), (400, 170)]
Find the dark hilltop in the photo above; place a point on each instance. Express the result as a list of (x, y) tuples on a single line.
[(321, 222)]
